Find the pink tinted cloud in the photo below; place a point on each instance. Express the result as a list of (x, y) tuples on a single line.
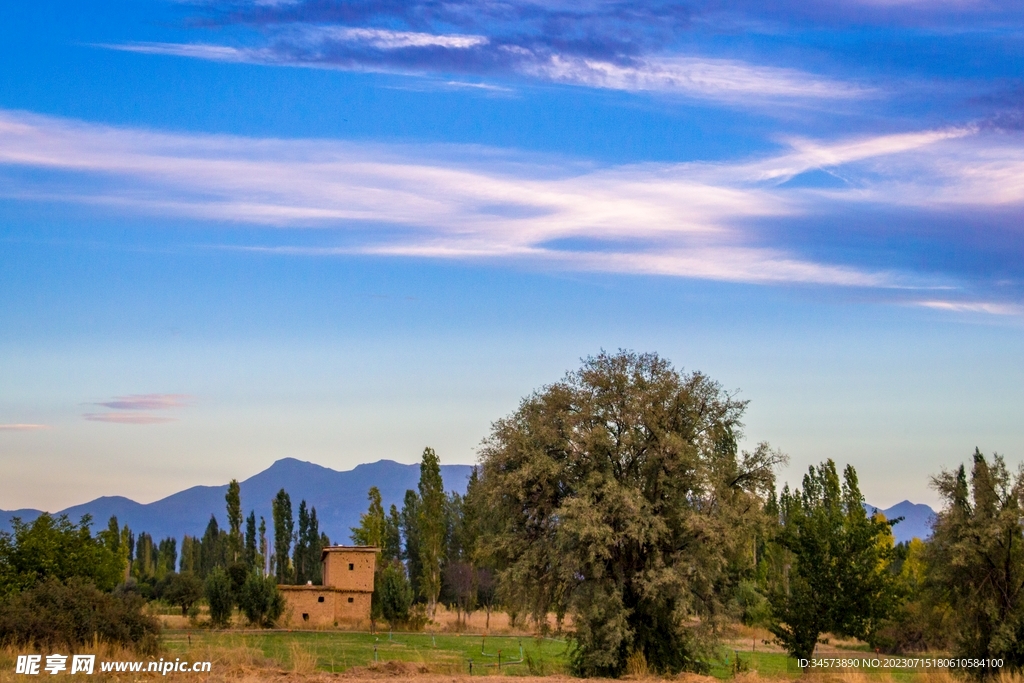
[(22, 427), (147, 402), (128, 418)]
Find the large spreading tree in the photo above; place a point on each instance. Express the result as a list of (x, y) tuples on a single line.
[(618, 496)]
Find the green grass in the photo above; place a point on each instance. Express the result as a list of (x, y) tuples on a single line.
[(770, 664), (779, 665), (337, 651)]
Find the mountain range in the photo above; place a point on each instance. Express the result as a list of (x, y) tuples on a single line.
[(339, 499)]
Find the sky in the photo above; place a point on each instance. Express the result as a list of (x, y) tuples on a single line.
[(232, 232)]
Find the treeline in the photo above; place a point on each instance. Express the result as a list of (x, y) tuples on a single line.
[(233, 567), (290, 554), (114, 572), (428, 551), (62, 587)]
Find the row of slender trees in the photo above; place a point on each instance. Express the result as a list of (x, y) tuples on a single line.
[(292, 555), (428, 548)]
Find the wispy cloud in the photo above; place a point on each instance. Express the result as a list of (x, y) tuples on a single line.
[(983, 307), (128, 418), (135, 409), (695, 220), (408, 52), (719, 79), (396, 40), (22, 427), (147, 402)]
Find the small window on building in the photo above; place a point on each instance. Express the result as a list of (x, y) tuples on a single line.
[(305, 617), (351, 566), (351, 599), (320, 599)]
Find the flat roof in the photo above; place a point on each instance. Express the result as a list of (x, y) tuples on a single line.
[(348, 549)]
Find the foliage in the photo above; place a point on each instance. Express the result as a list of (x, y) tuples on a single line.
[(250, 554), (219, 597), (183, 590), (411, 535), (261, 602), (190, 551), (839, 579), (617, 495), (925, 621), (431, 527), (284, 527), (391, 544), (55, 547), (54, 614), (237, 573), (213, 548), (264, 549), (308, 547), (977, 559), (370, 531), (233, 498), (394, 594)]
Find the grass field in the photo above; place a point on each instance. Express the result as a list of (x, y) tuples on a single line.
[(338, 651), (334, 651)]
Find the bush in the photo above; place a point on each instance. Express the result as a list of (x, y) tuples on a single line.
[(394, 595), (183, 590), (219, 597), (261, 602), (54, 615), (55, 547)]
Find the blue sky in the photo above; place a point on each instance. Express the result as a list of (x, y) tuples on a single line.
[(237, 231)]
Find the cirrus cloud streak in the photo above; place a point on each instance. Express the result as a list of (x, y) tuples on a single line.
[(693, 219)]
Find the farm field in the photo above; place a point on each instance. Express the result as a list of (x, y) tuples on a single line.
[(336, 652), (424, 654)]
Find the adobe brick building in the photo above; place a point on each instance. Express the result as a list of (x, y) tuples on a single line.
[(343, 600)]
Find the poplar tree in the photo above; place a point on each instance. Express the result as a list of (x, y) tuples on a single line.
[(263, 554), (300, 557), (411, 533), (284, 527), (315, 545), (431, 526), (234, 505), (308, 546), (190, 552), (250, 553), (372, 523), (391, 545)]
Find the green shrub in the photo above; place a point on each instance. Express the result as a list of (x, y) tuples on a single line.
[(55, 614), (394, 595), (55, 547), (183, 590), (219, 597), (260, 601)]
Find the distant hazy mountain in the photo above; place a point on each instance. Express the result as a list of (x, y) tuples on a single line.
[(339, 498), (917, 520)]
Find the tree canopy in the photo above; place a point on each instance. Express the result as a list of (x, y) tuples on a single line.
[(835, 575), (55, 547), (618, 495), (976, 557)]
